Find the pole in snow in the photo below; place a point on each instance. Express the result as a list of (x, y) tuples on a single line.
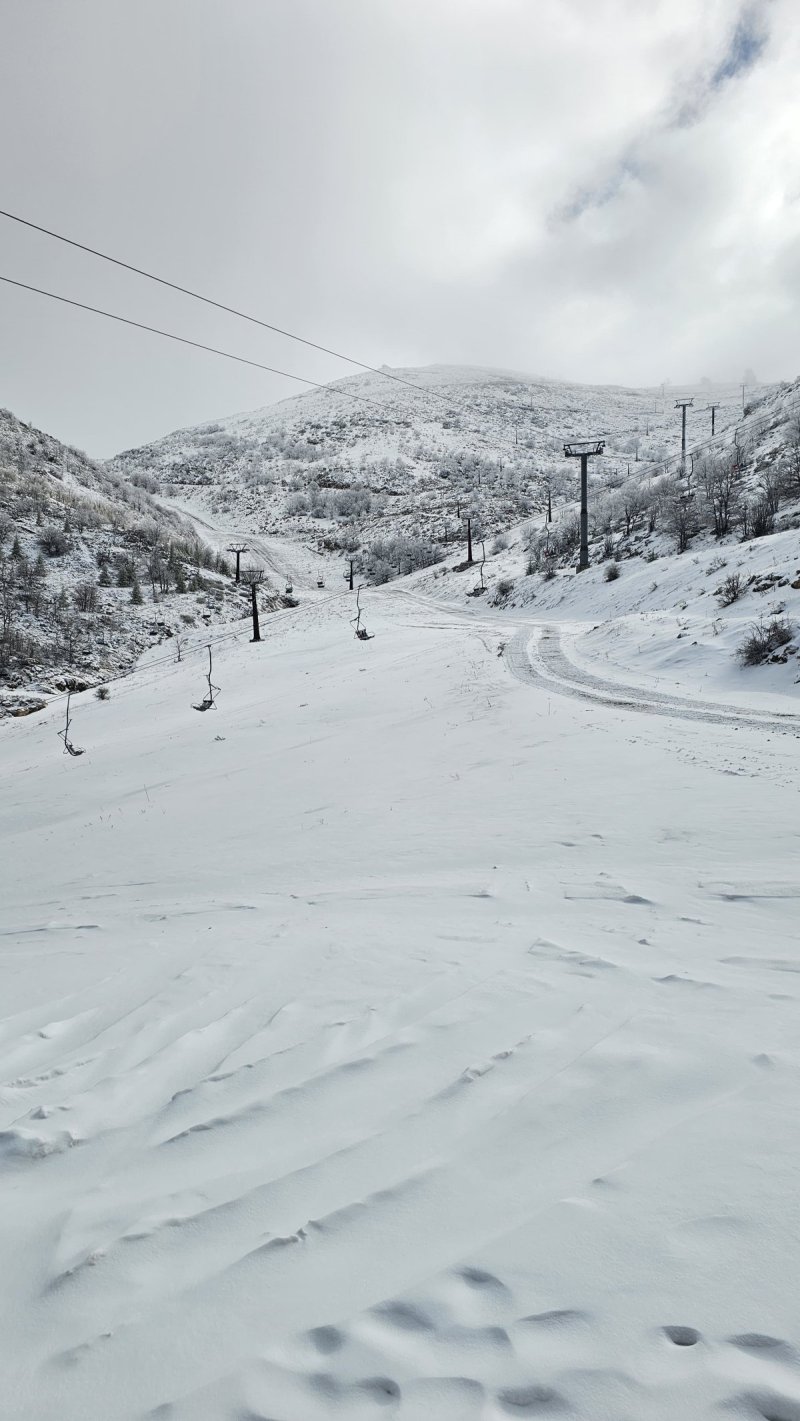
[(254, 610)]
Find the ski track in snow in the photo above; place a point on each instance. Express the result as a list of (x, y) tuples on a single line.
[(420, 1048)]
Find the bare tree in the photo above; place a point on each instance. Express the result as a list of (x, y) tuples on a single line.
[(771, 484), (792, 464), (86, 597), (632, 504), (722, 480), (681, 519)]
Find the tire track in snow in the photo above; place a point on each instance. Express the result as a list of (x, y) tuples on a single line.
[(550, 669)]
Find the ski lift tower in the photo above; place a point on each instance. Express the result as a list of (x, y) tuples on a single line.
[(683, 406), (584, 449)]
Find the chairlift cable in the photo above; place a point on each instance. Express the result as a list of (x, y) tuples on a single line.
[(445, 400), (183, 340)]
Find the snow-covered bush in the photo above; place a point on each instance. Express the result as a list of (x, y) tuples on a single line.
[(763, 639), (730, 591), (54, 541)]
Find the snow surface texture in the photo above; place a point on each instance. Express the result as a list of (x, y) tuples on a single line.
[(403, 1038)]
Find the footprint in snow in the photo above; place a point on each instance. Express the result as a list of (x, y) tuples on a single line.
[(682, 1336), (531, 1401)]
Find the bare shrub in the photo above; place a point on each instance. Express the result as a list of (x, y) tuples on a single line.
[(762, 519), (762, 639), (730, 591), (503, 591)]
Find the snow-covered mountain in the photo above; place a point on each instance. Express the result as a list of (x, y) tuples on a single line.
[(92, 569), (388, 468), (408, 454)]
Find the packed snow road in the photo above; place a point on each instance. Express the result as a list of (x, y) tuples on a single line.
[(398, 1039)]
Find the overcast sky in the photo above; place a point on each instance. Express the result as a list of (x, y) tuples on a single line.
[(600, 190)]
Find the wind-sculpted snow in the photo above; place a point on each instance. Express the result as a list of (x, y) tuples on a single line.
[(413, 1041)]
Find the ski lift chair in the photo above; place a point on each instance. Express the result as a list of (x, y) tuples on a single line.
[(208, 702), (361, 632)]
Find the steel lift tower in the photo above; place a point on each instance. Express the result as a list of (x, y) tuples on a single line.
[(584, 449)]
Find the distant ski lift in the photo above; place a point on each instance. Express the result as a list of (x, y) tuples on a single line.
[(289, 588), (320, 581)]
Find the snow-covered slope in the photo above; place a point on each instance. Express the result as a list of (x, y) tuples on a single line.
[(76, 544), (405, 1038), (407, 455), (681, 618)]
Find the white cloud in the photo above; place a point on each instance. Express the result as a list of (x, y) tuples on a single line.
[(603, 189)]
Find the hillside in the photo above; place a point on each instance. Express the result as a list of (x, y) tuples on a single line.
[(391, 476), (694, 573), (374, 466), (92, 570)]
